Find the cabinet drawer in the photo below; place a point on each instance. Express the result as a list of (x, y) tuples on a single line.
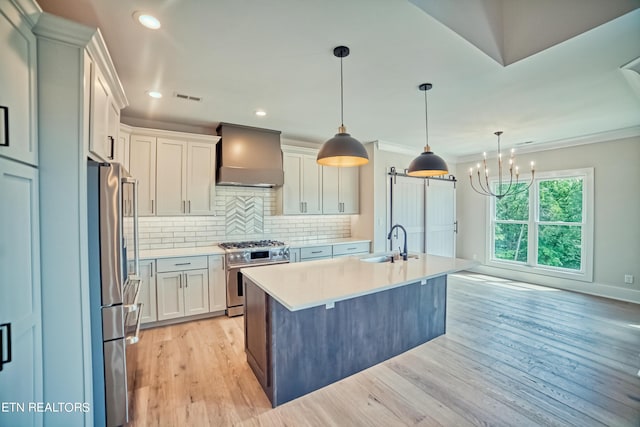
[(183, 263), (316, 252), (351, 248)]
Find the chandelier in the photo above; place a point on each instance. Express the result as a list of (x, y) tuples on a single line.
[(484, 188)]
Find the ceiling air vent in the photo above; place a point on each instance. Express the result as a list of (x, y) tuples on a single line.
[(188, 97)]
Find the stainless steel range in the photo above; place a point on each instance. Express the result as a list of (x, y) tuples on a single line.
[(248, 254)]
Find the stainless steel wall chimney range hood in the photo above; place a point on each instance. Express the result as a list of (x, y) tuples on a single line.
[(248, 156)]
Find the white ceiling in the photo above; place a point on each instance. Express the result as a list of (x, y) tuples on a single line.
[(561, 81)]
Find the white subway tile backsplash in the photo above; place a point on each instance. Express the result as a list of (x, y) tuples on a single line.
[(192, 231)]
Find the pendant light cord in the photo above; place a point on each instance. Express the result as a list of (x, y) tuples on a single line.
[(341, 96), (426, 121)]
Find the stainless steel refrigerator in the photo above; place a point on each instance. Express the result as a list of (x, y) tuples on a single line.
[(113, 270)]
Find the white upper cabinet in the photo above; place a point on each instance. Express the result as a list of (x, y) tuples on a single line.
[(171, 171), (301, 193), (201, 177), (340, 193), (175, 170), (122, 146), (18, 112), (142, 166)]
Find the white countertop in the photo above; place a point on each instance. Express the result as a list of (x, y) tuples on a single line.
[(216, 250), (180, 252), (309, 284), (321, 242)]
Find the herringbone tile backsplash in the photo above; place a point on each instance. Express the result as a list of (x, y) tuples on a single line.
[(241, 214)]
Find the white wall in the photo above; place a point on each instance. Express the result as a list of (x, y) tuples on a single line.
[(617, 216)]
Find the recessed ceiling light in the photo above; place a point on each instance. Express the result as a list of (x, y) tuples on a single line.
[(154, 94), (147, 20), (261, 113)]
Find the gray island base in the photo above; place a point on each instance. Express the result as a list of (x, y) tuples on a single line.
[(293, 353)]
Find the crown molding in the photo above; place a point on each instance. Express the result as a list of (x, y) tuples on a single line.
[(97, 48), (394, 148), (59, 29), (183, 136), (29, 9), (594, 138), (299, 149)]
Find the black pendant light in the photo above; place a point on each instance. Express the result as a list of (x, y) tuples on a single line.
[(342, 150), (427, 163)]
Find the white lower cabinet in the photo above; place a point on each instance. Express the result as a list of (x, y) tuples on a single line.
[(182, 287), (217, 284), (313, 253), (147, 292)]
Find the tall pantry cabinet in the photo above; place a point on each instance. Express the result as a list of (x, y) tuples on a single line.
[(79, 102), (21, 355)]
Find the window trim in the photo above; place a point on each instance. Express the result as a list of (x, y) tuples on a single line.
[(531, 266)]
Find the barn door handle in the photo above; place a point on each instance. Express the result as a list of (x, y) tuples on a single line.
[(455, 227), (4, 361)]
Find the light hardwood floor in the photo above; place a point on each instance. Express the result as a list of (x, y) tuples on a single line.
[(514, 354)]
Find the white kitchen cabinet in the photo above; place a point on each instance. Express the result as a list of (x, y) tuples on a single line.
[(18, 93), (294, 254), (171, 171), (122, 147), (217, 284), (142, 166), (20, 303), (182, 287), (347, 249), (147, 292), (301, 193), (340, 193), (185, 177), (310, 253), (104, 116), (176, 171), (201, 178)]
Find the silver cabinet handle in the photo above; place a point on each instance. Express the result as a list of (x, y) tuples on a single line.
[(351, 249), (184, 209), (305, 207), (189, 206), (180, 281), (316, 252), (301, 207), (151, 275), (186, 281), (151, 205), (182, 263)]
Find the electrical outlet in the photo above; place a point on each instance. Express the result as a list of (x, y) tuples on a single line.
[(628, 278)]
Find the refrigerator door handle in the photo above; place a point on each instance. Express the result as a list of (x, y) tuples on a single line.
[(4, 361)]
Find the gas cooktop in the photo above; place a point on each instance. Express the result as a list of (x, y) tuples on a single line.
[(251, 244)]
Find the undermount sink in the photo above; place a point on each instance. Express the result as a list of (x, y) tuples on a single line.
[(377, 259), (385, 258)]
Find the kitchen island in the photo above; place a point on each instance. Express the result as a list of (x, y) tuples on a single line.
[(310, 324)]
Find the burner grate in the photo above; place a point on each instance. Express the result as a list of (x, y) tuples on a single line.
[(251, 244)]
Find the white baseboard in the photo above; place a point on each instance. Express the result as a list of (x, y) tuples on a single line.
[(598, 289)]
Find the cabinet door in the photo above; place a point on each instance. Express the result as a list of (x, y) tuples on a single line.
[(17, 86), (217, 284), (330, 190), (122, 149), (147, 293), (196, 292), (170, 295), (21, 379), (291, 189), (348, 189), (441, 218), (171, 185), (201, 178), (311, 185), (99, 143), (142, 166), (113, 128)]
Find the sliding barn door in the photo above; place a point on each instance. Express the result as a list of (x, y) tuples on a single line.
[(408, 210), (441, 218)]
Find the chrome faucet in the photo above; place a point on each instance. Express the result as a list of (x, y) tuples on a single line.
[(404, 254)]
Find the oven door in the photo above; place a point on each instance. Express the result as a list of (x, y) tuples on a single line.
[(235, 291)]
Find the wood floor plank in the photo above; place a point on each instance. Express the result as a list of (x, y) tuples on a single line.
[(515, 354)]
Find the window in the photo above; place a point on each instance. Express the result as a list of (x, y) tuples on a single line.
[(547, 228)]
